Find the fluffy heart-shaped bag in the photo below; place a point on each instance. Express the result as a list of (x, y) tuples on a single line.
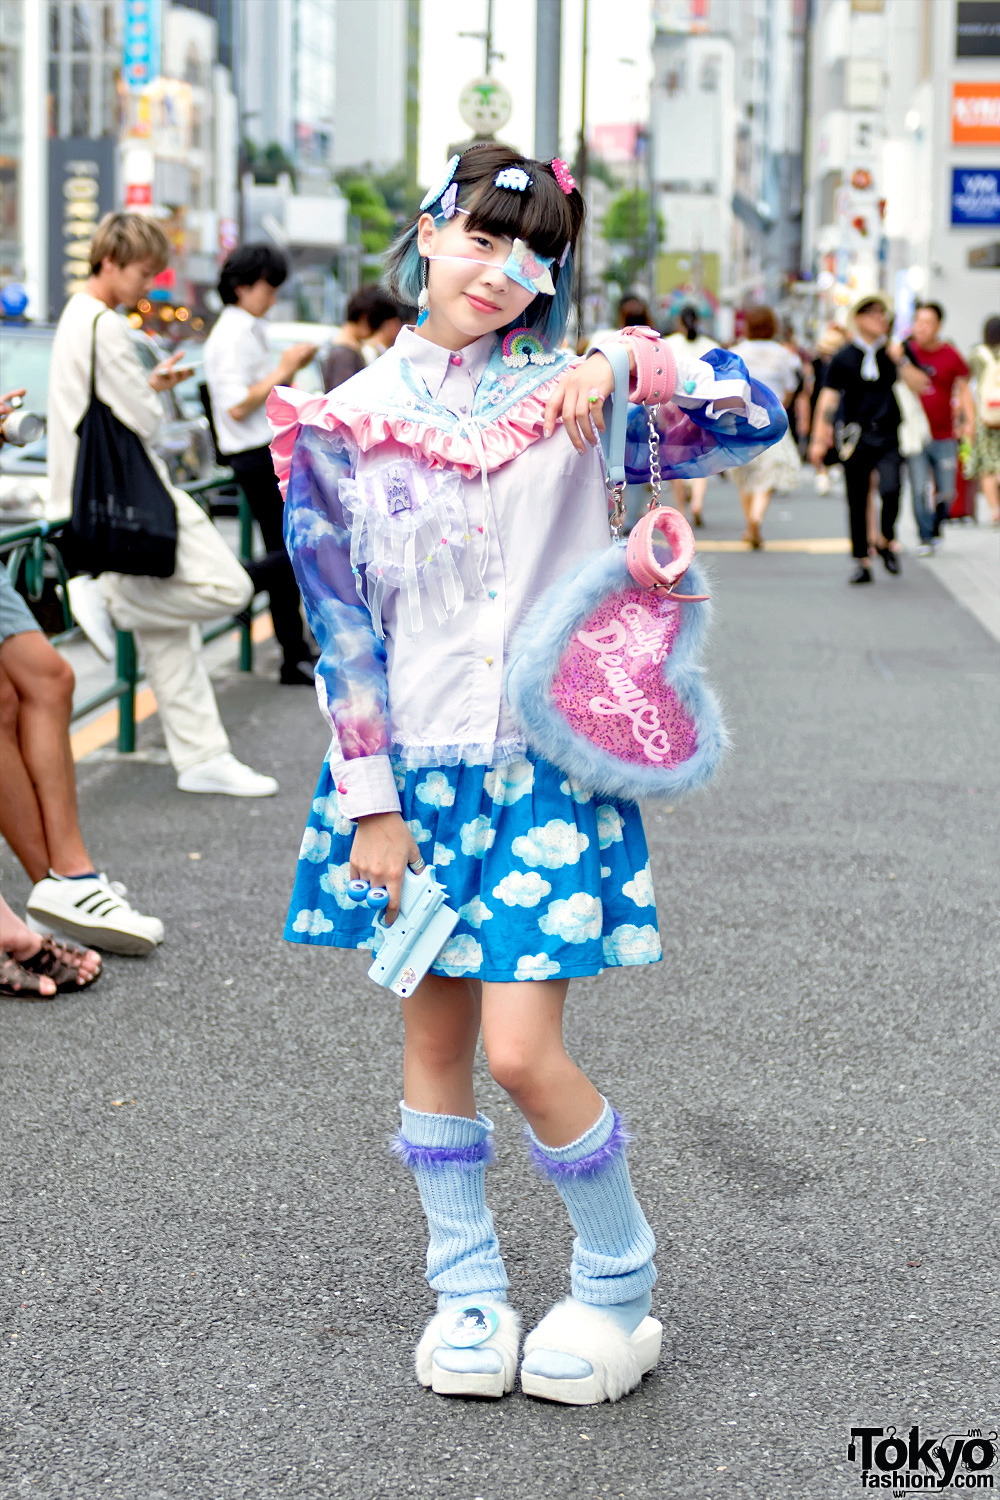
[(604, 675)]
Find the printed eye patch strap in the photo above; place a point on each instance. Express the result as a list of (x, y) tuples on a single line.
[(523, 265)]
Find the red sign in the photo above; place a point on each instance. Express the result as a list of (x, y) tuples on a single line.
[(861, 180), (139, 195)]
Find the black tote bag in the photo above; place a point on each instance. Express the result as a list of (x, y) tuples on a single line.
[(124, 518)]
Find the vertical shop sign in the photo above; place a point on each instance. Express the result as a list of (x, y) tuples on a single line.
[(141, 42), (81, 189)]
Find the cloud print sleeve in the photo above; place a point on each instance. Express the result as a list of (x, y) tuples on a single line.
[(350, 674)]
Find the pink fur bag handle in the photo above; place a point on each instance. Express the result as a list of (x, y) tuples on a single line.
[(643, 563)]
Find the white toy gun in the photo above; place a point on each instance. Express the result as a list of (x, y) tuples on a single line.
[(405, 951)]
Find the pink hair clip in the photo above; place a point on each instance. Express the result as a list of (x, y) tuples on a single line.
[(563, 175)]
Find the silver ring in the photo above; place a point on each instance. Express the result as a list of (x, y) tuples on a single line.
[(419, 866)]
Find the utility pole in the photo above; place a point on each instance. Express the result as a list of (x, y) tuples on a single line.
[(486, 37), (548, 59), (412, 111), (581, 178)]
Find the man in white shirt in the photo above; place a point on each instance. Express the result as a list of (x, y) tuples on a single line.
[(241, 373), (127, 252)]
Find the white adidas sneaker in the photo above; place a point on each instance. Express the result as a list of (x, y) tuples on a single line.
[(93, 911), (226, 775), (90, 611)]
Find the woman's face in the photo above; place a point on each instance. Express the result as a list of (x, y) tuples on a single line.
[(469, 293)]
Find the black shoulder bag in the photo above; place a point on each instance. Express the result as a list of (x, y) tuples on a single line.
[(124, 518)]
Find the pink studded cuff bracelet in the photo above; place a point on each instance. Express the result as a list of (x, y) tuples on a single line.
[(655, 371)]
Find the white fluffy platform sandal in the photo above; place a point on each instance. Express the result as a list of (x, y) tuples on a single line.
[(470, 1349), (617, 1360)]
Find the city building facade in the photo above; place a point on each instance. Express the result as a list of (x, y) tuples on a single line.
[(727, 121), (903, 159)]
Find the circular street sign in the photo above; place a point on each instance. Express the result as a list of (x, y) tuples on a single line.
[(485, 105), (861, 180)]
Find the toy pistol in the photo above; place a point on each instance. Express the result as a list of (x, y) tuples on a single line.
[(405, 951)]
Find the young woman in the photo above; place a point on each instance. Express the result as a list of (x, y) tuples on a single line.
[(430, 500), (770, 363)]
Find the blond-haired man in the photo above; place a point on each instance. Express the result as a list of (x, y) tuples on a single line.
[(127, 253)]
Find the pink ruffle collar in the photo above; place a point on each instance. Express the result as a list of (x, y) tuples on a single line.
[(506, 436)]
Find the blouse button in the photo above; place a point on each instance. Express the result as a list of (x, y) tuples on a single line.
[(456, 359), (489, 661)]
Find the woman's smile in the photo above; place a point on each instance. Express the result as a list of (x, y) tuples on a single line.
[(481, 305)]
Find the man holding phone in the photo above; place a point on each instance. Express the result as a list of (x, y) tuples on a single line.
[(127, 253), (241, 372)]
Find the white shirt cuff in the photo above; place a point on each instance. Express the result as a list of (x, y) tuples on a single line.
[(365, 786), (698, 385)]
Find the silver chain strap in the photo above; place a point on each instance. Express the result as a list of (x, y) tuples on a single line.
[(655, 474), (616, 494)]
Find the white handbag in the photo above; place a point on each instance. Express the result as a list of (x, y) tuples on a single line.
[(914, 430)]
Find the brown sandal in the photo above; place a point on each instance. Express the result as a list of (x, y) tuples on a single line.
[(60, 962), (17, 984)]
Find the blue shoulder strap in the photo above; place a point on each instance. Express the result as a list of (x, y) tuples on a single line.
[(613, 436)]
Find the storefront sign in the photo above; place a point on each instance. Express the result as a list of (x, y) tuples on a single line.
[(977, 28), (975, 114), (975, 196), (141, 42), (81, 190)]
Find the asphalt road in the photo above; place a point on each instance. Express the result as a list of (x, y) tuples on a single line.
[(210, 1269)]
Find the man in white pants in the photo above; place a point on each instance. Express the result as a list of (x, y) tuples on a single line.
[(127, 253)]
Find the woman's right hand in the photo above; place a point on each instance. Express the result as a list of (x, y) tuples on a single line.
[(383, 847)]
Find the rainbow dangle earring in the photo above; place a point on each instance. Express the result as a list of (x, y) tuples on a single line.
[(423, 301)]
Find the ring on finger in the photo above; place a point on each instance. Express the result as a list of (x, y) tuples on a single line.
[(594, 395)]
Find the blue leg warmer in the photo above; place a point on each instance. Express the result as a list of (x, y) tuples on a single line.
[(612, 1267), (448, 1155), (612, 1262)]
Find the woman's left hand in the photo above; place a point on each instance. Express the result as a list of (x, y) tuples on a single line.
[(582, 418)]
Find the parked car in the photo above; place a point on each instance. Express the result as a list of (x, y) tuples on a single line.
[(184, 440)]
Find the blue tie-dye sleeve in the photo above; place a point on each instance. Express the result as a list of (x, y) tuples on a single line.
[(350, 674)]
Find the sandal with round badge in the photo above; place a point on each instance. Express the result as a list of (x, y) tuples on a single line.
[(469, 1348)]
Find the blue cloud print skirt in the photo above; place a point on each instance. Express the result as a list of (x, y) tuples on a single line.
[(547, 880)]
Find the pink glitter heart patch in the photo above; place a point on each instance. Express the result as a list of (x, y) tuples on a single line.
[(610, 685)]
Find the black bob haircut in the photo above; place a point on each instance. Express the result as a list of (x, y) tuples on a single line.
[(372, 303), (249, 264), (545, 217)]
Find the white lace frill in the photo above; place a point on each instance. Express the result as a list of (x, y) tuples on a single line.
[(408, 530), (490, 753)]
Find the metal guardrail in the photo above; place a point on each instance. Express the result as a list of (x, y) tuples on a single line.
[(32, 545)]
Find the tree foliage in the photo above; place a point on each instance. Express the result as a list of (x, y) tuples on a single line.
[(627, 219), (266, 163), (369, 207)]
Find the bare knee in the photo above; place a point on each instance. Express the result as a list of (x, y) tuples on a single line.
[(55, 678), (38, 674), (439, 1052), (519, 1070)]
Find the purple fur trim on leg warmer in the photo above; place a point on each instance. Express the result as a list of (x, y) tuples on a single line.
[(584, 1166), (464, 1157)]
